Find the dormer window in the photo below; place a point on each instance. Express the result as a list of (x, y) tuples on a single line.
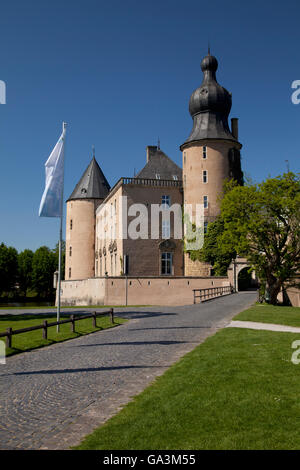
[(157, 176), (165, 202), (175, 177), (83, 191)]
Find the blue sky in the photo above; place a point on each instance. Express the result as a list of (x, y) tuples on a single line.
[(121, 74)]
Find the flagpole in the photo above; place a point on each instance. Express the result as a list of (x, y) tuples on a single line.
[(60, 238)]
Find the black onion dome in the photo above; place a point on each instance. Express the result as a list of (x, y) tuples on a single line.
[(210, 105), (209, 63), (210, 96)]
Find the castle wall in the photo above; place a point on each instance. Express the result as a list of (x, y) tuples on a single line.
[(138, 290), (216, 165), (145, 254), (80, 238), (293, 294), (196, 268), (109, 250), (83, 292)]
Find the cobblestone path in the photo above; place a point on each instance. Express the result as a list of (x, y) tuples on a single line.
[(52, 397)]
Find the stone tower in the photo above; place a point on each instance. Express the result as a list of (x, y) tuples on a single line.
[(211, 153), (80, 222)]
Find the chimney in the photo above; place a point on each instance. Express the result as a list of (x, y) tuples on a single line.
[(235, 128), (151, 150)]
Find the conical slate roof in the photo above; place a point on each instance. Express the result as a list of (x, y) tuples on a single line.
[(92, 185)]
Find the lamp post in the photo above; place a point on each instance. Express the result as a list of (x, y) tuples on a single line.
[(234, 275)]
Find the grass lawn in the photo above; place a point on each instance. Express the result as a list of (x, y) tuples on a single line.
[(34, 339), (237, 390), (266, 313)]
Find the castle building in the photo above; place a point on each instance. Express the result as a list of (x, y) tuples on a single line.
[(98, 224)]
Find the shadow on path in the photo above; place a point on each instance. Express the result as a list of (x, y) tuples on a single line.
[(169, 328), (134, 343), (88, 369)]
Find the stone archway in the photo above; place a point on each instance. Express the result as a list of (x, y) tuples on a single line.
[(235, 267), (244, 279)]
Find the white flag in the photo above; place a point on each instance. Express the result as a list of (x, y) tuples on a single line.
[(51, 202)]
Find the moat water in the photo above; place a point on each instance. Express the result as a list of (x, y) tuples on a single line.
[(26, 304)]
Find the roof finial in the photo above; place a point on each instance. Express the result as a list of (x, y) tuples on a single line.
[(208, 49), (158, 144), (93, 150)]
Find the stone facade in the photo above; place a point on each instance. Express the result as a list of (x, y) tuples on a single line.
[(113, 241), (136, 290)]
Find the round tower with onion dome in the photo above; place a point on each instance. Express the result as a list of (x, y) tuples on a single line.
[(211, 154)]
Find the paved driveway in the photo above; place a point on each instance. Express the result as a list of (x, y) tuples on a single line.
[(52, 397)]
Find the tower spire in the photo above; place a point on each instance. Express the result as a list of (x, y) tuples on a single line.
[(93, 151)]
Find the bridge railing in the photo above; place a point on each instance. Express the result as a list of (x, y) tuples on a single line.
[(211, 293)]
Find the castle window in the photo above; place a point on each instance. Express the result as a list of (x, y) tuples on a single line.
[(70, 273), (71, 224), (205, 227), (184, 158), (165, 201), (166, 264), (204, 176), (204, 152), (165, 229), (205, 202), (70, 251)]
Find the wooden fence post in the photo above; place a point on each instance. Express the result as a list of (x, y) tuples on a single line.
[(8, 337), (72, 324), (94, 320), (45, 330)]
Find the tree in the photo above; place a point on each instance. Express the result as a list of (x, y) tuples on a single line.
[(210, 251), (43, 267), (25, 271), (8, 268), (262, 223)]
